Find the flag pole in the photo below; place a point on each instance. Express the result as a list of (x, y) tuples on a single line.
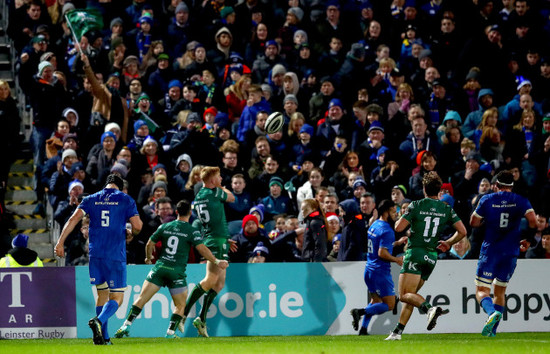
[(77, 41)]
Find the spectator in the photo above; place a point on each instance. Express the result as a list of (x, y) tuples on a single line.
[(20, 255), (247, 239), (353, 241), (315, 236)]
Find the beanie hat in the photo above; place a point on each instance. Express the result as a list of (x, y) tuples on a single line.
[(184, 157), (182, 6), (120, 168), (116, 180), (259, 209), (276, 180), (448, 187), (226, 11), (357, 51), (401, 188), (150, 139), (43, 65), (67, 7), (376, 125), (193, 117), (77, 166), (116, 21), (223, 30), (159, 184), (260, 250), (304, 34), (447, 198), (175, 83), (291, 98), (163, 56), (70, 136), (306, 128), (425, 53), (21, 240), (523, 83), (146, 18), (138, 124), (296, 11), (212, 110), (331, 216), (359, 182), (67, 153), (278, 69), (381, 151), (375, 108), (75, 183), (335, 102), (46, 56), (159, 165), (108, 134), (110, 126), (143, 96), (248, 218)]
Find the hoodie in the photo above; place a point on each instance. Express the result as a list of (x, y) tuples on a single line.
[(353, 242)]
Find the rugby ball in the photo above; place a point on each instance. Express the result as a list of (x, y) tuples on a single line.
[(274, 123)]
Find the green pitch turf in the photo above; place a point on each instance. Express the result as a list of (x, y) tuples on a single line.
[(411, 343)]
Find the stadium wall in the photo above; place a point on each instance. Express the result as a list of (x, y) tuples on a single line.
[(265, 299)]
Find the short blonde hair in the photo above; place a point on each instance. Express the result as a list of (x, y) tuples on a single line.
[(209, 172)]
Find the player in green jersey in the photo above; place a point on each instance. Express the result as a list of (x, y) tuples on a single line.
[(176, 237), (426, 218), (208, 205)]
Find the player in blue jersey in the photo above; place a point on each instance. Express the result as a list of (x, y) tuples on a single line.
[(381, 239), (501, 212), (109, 210)]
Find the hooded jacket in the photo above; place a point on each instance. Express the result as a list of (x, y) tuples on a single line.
[(353, 242)]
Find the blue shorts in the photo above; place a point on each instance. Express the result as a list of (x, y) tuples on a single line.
[(497, 267), (107, 271), (379, 283)]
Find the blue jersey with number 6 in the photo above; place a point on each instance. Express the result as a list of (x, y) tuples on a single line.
[(109, 210), (502, 212)]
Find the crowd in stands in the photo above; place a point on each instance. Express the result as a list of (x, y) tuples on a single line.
[(374, 93)]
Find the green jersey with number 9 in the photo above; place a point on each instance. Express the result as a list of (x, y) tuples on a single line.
[(177, 237), (208, 206), (427, 218)]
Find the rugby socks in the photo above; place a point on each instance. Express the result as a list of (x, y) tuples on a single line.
[(501, 310), (487, 304), (134, 312), (208, 299), (104, 328), (108, 310), (175, 320), (196, 294), (371, 310), (399, 328), (425, 307)]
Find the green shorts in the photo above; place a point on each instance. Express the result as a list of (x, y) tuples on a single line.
[(419, 261), (219, 247), (166, 276)]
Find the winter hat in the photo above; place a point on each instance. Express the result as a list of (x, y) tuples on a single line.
[(447, 198), (375, 108), (226, 11), (452, 115), (193, 117), (331, 216), (146, 18), (278, 69), (138, 124), (401, 188), (67, 7), (120, 168), (425, 53), (130, 59), (110, 126), (223, 30), (306, 128), (419, 156), (21, 240), (67, 153), (376, 125), (222, 120), (212, 110), (43, 65), (175, 83), (163, 56), (523, 83), (70, 136), (46, 56), (182, 6), (359, 182), (357, 51), (448, 187), (291, 98), (150, 139), (77, 166), (276, 180), (475, 156), (335, 102), (303, 33), (143, 96), (266, 88), (260, 250), (473, 74), (108, 134), (271, 42), (159, 184), (75, 183), (38, 39), (336, 237), (382, 150), (260, 209), (116, 21), (184, 157), (248, 218), (296, 11), (159, 165)]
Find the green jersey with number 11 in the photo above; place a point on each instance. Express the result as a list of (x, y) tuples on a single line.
[(208, 206), (427, 218)]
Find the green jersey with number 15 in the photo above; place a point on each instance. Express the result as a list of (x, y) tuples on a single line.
[(427, 218), (208, 206)]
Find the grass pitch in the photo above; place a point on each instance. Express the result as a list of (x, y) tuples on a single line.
[(411, 343)]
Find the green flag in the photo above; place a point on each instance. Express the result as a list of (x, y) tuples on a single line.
[(82, 21)]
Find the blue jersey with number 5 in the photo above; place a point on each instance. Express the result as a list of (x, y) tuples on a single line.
[(502, 212), (109, 210)]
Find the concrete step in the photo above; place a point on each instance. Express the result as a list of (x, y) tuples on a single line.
[(34, 222), (44, 250), (20, 194), (21, 207), (38, 238), (20, 179), (23, 165)]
